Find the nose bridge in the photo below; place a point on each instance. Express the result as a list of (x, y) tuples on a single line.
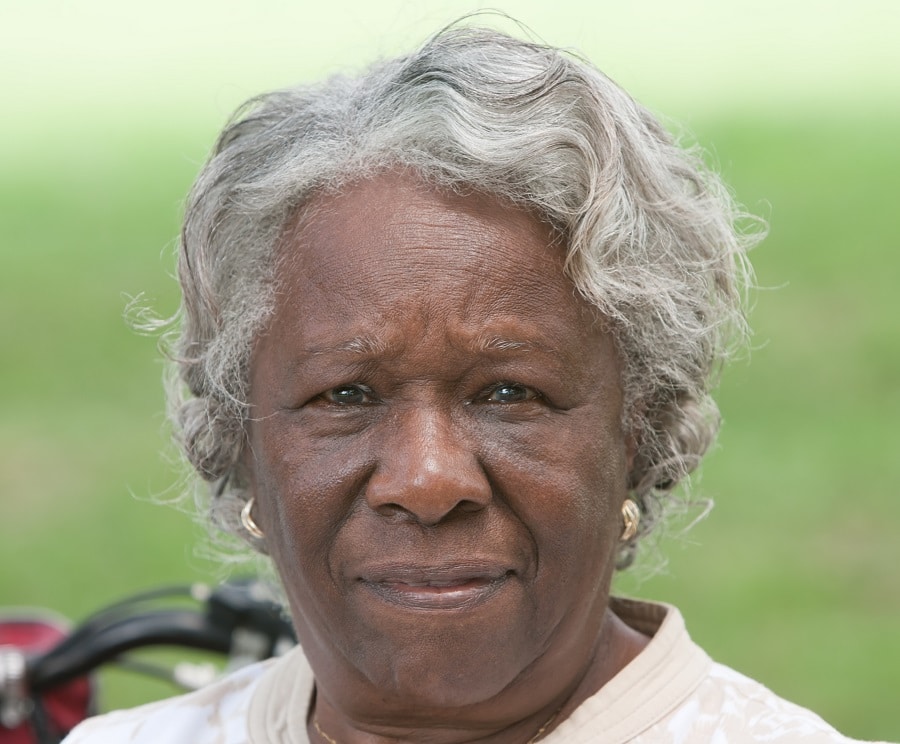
[(427, 468)]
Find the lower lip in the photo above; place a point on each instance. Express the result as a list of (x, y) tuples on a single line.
[(438, 597)]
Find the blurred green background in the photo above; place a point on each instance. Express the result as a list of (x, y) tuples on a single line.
[(108, 111)]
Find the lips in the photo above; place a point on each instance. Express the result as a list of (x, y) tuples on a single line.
[(443, 587)]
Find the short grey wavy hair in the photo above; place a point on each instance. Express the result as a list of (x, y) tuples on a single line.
[(653, 238)]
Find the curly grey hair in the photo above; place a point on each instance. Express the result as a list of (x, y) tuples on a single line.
[(652, 236)]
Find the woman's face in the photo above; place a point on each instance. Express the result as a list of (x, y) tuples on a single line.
[(436, 448)]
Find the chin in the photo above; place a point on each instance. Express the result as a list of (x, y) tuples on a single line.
[(446, 660), (424, 679)]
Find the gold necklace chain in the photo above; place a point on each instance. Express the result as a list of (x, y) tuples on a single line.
[(542, 729), (532, 740), (322, 733)]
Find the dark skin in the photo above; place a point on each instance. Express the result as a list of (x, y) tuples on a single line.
[(439, 463)]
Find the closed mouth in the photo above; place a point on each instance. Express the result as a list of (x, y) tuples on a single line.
[(437, 587)]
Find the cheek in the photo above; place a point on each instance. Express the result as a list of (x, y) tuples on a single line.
[(305, 486), (565, 483)]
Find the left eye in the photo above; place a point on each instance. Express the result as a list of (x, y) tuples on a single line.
[(350, 395), (510, 392)]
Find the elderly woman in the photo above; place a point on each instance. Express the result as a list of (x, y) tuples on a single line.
[(447, 337)]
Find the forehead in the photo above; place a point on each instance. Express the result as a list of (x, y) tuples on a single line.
[(395, 249)]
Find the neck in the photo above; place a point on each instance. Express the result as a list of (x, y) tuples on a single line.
[(336, 731)]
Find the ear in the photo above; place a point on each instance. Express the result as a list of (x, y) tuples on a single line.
[(634, 421), (631, 448)]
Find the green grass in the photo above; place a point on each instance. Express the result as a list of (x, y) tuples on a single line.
[(792, 579)]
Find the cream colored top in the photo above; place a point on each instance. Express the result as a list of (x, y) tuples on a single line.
[(671, 692)]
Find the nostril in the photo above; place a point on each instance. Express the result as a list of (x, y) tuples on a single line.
[(426, 514), (392, 512), (469, 506)]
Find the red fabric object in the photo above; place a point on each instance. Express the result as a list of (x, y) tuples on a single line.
[(66, 705)]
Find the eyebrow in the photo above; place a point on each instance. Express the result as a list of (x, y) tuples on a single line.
[(501, 343), (371, 346), (360, 345)]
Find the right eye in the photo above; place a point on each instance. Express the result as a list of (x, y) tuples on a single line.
[(349, 395), (510, 392)]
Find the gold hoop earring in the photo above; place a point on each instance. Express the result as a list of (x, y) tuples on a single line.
[(631, 515), (247, 520)]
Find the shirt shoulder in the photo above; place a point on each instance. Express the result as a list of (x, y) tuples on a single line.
[(215, 714), (729, 707), (673, 692)]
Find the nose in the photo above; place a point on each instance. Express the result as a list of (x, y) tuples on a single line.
[(427, 471)]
